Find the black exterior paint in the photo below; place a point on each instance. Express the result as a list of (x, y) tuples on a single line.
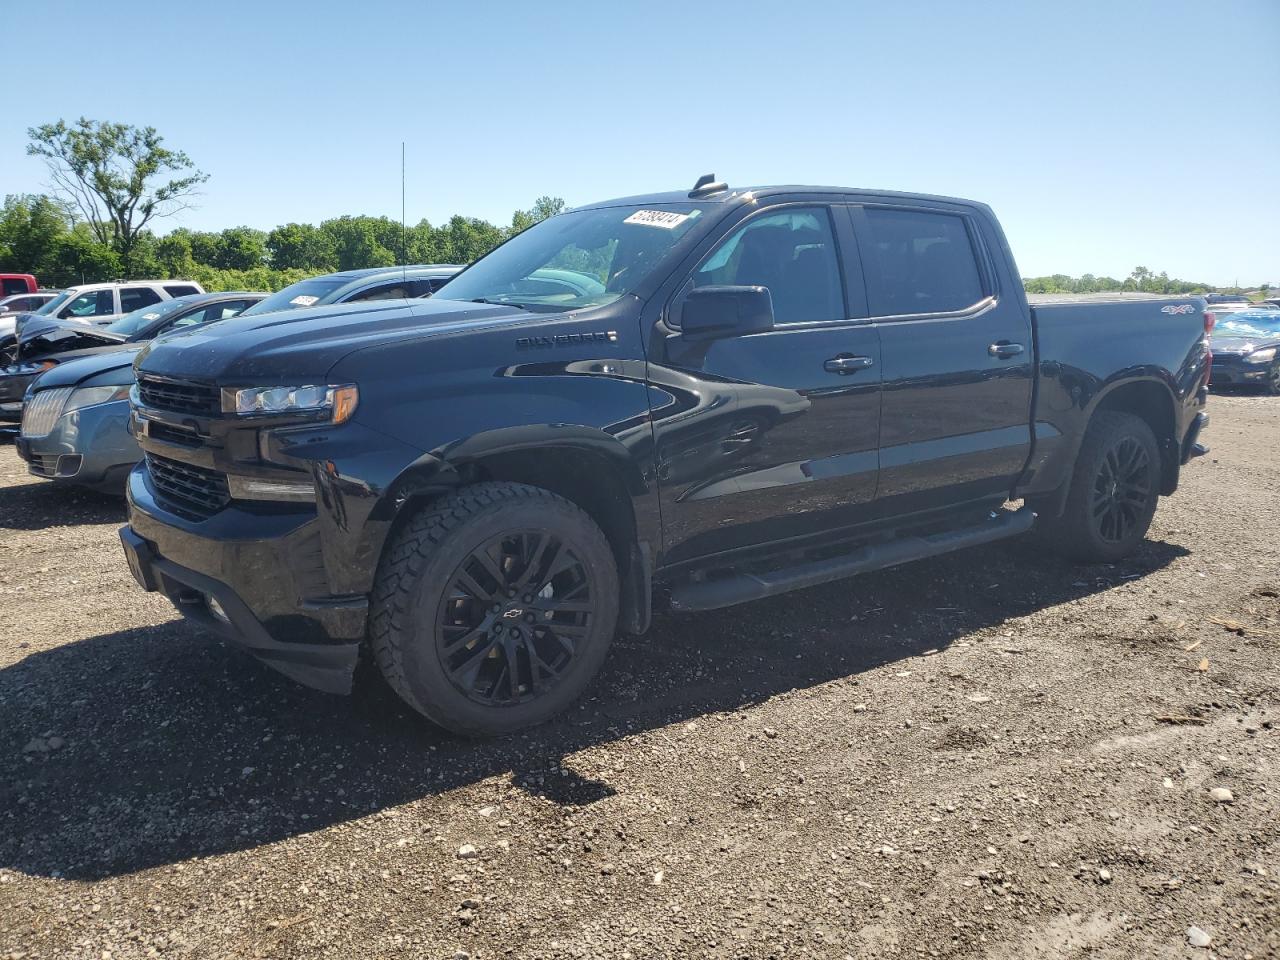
[(708, 451)]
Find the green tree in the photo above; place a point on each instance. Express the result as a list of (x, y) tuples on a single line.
[(30, 227), (81, 258), (361, 242), (301, 246), (113, 175), (242, 248)]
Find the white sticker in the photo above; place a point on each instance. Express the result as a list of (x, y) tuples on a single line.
[(302, 300), (657, 218), (151, 316)]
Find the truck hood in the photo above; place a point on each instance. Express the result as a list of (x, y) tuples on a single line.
[(75, 368), (293, 346)]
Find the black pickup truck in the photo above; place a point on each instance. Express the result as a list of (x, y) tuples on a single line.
[(708, 396)]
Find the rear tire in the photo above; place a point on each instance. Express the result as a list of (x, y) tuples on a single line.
[(1114, 490), (494, 607)]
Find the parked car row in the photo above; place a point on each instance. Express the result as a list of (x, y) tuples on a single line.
[(68, 384)]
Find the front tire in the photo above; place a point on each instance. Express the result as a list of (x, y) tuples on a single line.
[(1114, 490), (494, 607), (1272, 385)]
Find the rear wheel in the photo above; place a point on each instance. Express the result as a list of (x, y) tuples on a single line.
[(1272, 383), (494, 608), (1114, 490)]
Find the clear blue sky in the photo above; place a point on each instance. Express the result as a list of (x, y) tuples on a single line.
[(1104, 134)]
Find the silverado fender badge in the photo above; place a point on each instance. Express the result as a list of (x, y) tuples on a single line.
[(567, 340), (1178, 308)]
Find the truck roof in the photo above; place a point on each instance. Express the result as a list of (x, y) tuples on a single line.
[(736, 195)]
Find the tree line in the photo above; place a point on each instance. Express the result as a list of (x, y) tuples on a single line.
[(39, 234)]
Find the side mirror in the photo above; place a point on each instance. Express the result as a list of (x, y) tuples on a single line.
[(716, 313)]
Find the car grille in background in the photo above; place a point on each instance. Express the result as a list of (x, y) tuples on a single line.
[(192, 492), (42, 411), (182, 397)]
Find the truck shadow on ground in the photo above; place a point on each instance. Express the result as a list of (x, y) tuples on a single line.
[(43, 503), (174, 745)]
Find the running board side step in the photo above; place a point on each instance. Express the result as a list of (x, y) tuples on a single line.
[(727, 591)]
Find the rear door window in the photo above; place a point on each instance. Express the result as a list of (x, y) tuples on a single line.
[(793, 253), (135, 298), (917, 262)]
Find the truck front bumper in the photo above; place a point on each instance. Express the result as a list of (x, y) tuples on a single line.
[(255, 578)]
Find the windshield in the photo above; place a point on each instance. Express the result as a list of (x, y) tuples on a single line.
[(1255, 324), (132, 323), (54, 304), (304, 293), (585, 258)]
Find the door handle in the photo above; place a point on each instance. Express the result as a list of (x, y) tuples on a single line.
[(1003, 350), (847, 364)]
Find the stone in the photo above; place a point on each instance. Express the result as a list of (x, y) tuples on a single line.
[(1197, 937), (1222, 795)]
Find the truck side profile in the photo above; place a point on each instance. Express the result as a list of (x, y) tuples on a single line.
[(711, 397)]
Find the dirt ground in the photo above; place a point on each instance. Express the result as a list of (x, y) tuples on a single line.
[(991, 754)]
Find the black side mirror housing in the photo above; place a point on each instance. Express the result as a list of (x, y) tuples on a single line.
[(716, 313)]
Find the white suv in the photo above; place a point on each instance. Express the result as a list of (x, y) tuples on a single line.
[(103, 302)]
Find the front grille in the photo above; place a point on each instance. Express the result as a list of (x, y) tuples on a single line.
[(180, 397), (42, 411), (192, 492)]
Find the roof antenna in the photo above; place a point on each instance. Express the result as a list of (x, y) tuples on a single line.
[(707, 184), (404, 231)]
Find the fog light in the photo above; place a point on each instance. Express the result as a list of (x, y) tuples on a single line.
[(249, 488), (216, 609)]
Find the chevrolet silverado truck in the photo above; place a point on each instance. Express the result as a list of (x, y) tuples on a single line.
[(703, 397)]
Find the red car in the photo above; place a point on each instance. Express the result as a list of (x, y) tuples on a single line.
[(11, 283)]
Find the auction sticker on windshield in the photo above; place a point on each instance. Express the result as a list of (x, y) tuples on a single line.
[(303, 300), (657, 218)]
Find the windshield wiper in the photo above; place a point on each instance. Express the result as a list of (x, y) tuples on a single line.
[(499, 303)]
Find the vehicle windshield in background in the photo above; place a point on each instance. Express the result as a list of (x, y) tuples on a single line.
[(53, 304), (1254, 324), (585, 258), (131, 323), (304, 293)]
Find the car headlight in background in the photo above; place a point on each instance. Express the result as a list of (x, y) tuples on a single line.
[(1261, 356), (90, 396), (29, 367), (340, 401)]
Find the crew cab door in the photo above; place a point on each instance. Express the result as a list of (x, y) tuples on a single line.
[(770, 436), (957, 357)]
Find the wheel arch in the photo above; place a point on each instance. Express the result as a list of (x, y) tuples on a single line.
[(1151, 400), (585, 466)]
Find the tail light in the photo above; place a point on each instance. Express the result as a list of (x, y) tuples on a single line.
[(1210, 318)]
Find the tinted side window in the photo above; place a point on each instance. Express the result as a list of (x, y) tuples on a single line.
[(13, 286), (793, 253), (393, 291), (918, 262), (179, 290), (135, 298)]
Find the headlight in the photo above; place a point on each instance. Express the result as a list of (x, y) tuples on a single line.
[(1261, 356), (88, 396), (340, 401)]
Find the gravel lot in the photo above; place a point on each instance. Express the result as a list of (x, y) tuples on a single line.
[(991, 754)]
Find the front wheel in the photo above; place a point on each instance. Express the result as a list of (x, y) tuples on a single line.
[(1114, 490), (1272, 384), (494, 608)]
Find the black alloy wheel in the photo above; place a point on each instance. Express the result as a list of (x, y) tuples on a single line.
[(514, 613), (1121, 490)]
